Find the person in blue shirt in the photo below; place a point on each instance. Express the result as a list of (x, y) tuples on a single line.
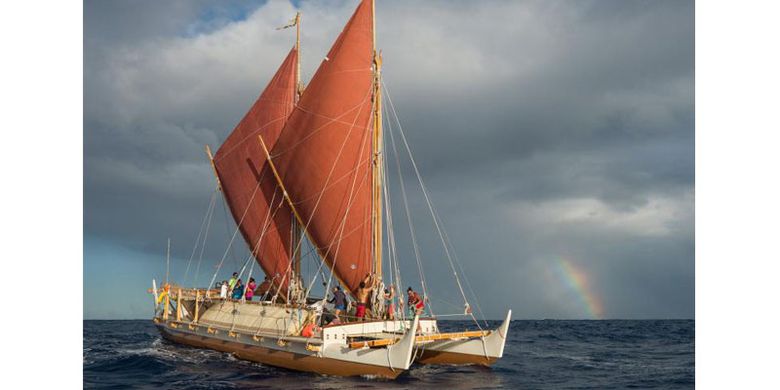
[(238, 290), (339, 301)]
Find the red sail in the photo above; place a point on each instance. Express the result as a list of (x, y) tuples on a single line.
[(248, 183), (324, 152)]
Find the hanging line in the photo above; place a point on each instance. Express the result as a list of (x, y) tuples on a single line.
[(264, 229), (428, 201), (205, 240), (395, 274), (460, 267), (221, 261), (405, 201), (226, 215), (200, 233)]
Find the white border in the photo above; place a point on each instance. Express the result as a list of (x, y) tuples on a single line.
[(42, 158), (737, 194), (737, 258)]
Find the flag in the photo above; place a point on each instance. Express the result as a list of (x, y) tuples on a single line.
[(289, 24)]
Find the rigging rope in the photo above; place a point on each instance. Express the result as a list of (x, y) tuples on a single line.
[(264, 229), (465, 276), (200, 233), (234, 234), (409, 219), (205, 238), (227, 228), (428, 201), (395, 273)]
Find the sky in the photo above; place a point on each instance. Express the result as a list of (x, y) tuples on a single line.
[(556, 139)]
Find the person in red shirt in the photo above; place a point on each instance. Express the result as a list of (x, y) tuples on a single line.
[(416, 304)]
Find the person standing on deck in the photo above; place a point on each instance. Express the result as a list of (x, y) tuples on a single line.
[(364, 291), (232, 282), (416, 304), (223, 290), (250, 289), (238, 290), (339, 301), (390, 303), (264, 289)]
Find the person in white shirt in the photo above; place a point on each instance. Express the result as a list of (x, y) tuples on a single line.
[(223, 290)]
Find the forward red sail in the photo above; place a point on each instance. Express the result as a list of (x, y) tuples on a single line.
[(248, 183), (324, 153)]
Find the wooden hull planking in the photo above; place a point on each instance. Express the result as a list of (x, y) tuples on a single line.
[(430, 356)]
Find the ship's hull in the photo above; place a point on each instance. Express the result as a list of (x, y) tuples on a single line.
[(267, 334), (278, 357), (481, 351)]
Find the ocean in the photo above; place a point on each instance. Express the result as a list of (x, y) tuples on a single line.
[(548, 354)]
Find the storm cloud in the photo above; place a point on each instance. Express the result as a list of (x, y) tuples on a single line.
[(556, 139)]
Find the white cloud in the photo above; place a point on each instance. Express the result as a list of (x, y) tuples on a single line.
[(660, 215)]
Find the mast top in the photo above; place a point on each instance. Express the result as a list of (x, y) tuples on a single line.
[(298, 81)]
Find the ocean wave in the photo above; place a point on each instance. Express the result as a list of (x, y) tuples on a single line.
[(539, 354)]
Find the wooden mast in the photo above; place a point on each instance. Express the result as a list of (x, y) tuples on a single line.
[(298, 82), (295, 231), (377, 154)]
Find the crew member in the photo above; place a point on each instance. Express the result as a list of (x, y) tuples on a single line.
[(339, 301), (363, 292)]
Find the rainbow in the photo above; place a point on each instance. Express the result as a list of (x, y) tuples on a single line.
[(578, 282)]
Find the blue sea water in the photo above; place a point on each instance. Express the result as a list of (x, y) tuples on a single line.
[(548, 354)]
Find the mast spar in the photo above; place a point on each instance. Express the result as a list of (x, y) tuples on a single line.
[(298, 81), (296, 231), (377, 153)]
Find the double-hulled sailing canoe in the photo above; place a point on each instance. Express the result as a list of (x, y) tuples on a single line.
[(306, 165)]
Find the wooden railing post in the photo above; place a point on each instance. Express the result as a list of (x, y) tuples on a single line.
[(167, 306), (197, 305), (178, 306)]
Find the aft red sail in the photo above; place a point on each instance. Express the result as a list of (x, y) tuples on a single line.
[(248, 184), (324, 153)]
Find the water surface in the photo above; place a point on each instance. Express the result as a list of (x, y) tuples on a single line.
[(539, 355)]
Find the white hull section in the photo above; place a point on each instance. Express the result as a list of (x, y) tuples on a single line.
[(484, 350)]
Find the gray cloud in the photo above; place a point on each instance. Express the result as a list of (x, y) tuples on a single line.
[(545, 130)]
